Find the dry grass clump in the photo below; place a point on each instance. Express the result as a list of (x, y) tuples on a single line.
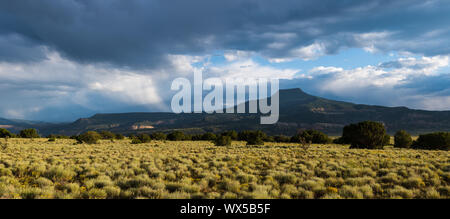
[(199, 170)]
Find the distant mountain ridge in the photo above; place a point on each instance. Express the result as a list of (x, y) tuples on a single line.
[(16, 125), (298, 110)]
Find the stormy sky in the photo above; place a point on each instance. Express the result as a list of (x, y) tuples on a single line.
[(61, 60)]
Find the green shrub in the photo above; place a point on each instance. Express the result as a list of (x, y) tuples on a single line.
[(29, 133), (386, 139), (233, 134), (347, 135), (256, 138), (119, 137), (244, 135), (5, 133), (402, 139), (52, 139), (58, 136), (107, 135), (255, 141), (248, 135), (368, 134), (340, 140), (141, 138), (196, 137), (187, 138), (223, 140), (136, 141), (90, 137), (176, 136), (312, 136), (209, 136), (158, 136), (433, 141), (269, 138), (51, 136), (281, 138)]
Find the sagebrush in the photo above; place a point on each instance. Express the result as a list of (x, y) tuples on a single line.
[(186, 169)]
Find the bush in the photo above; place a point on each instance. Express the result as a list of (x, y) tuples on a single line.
[(158, 136), (209, 136), (368, 134), (248, 135), (402, 139), (119, 137), (268, 139), (51, 136), (89, 137), (243, 136), (187, 138), (347, 135), (58, 136), (223, 140), (340, 140), (141, 138), (233, 134), (312, 136), (107, 135), (29, 133), (136, 141), (433, 141), (196, 137), (5, 133), (256, 138), (386, 139), (281, 138), (176, 136)]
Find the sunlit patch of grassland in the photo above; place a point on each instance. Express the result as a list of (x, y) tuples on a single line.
[(61, 169)]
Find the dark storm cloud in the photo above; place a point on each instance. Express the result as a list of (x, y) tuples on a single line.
[(60, 60), (140, 33), (16, 48)]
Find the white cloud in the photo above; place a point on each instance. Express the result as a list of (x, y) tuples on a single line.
[(235, 55), (180, 65), (309, 52), (387, 74), (128, 88), (346, 82), (280, 60), (249, 69), (56, 81), (386, 83), (368, 41), (326, 70), (412, 65)]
